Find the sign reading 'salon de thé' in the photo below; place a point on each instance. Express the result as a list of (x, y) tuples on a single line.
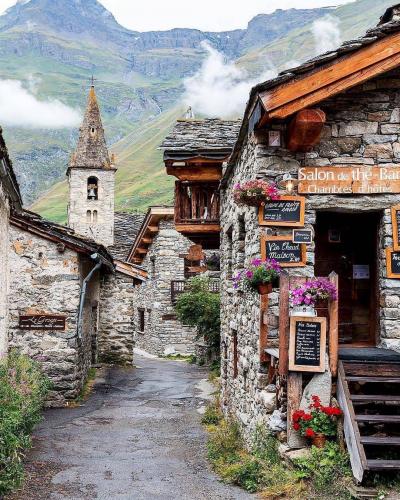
[(307, 344), (283, 250), (286, 211), (42, 322), (349, 179)]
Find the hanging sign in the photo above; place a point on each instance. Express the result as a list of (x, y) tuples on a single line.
[(392, 263), (302, 236), (307, 344), (351, 179), (42, 322), (361, 272), (283, 250), (287, 211), (396, 226)]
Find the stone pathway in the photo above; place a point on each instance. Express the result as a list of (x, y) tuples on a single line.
[(137, 437)]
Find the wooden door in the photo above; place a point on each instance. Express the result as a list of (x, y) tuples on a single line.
[(347, 244)]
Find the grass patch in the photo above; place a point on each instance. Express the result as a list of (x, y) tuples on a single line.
[(189, 358), (86, 388), (323, 475), (23, 389)]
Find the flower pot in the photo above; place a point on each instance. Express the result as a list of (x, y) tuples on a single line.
[(308, 311), (319, 440), (265, 288)]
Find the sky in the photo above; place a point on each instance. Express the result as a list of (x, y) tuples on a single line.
[(206, 15)]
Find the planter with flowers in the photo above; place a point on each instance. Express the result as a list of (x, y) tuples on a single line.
[(258, 277), (304, 298), (255, 193), (318, 424)]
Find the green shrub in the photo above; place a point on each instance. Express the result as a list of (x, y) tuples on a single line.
[(212, 415), (200, 308), (23, 388)]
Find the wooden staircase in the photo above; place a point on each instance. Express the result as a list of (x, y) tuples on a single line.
[(369, 395)]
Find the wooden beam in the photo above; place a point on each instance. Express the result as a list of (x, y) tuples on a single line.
[(333, 327), (374, 56), (142, 251), (263, 335), (147, 241), (205, 173), (152, 229), (294, 394), (284, 324), (198, 228)]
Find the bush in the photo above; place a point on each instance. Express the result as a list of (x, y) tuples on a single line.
[(23, 388), (201, 308)]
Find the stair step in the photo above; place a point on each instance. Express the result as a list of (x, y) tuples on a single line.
[(374, 398), (395, 419), (383, 464), (355, 378), (381, 440)]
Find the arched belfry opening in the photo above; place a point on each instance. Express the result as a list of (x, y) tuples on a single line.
[(93, 188)]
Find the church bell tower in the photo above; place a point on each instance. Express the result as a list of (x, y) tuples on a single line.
[(91, 177)]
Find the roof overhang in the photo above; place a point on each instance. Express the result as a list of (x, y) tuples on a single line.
[(131, 270)]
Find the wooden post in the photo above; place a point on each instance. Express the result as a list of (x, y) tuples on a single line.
[(263, 341), (284, 324), (294, 394), (334, 327)]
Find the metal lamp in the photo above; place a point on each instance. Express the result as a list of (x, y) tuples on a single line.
[(288, 183)]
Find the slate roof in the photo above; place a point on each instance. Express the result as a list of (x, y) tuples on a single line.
[(389, 23), (7, 174), (126, 228), (209, 138), (34, 223)]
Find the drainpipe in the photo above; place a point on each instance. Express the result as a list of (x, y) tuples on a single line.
[(96, 257)]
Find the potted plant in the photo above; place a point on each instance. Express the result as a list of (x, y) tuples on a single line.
[(303, 298), (318, 424), (255, 193), (259, 276)]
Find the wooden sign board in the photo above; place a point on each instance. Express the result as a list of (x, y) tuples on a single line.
[(42, 322), (307, 344), (393, 263), (287, 211), (283, 250), (303, 236), (351, 179), (396, 227)]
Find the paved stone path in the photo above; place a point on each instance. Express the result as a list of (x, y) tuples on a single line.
[(137, 437)]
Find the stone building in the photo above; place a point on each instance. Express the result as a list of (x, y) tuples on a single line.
[(329, 128), (91, 178), (10, 199)]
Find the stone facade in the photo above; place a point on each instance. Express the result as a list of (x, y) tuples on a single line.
[(47, 279), (5, 270), (363, 128), (162, 332)]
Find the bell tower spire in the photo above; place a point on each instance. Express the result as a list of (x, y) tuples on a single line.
[(91, 176)]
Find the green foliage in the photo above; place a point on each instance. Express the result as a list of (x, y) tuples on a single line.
[(200, 308), (212, 415), (23, 389), (326, 467)]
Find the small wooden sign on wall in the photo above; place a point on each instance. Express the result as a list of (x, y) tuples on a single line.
[(283, 250), (393, 263), (287, 211), (42, 322), (396, 227), (307, 344)]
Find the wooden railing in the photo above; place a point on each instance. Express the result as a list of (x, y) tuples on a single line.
[(196, 203), (180, 286)]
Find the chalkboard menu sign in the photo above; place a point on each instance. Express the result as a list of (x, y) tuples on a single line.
[(283, 250), (393, 263), (302, 236), (307, 344), (287, 211), (396, 227)]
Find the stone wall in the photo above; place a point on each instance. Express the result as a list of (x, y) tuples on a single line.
[(162, 333), (363, 127), (116, 330), (101, 230), (45, 281), (4, 271)]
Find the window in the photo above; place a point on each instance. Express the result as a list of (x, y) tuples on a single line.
[(95, 216), (241, 253), (141, 320), (93, 188), (89, 216), (153, 266), (235, 353)]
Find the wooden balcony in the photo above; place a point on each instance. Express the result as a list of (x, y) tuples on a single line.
[(180, 286), (197, 212)]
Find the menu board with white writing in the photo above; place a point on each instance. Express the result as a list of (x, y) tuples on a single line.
[(283, 250), (396, 226), (393, 263), (287, 211), (307, 344)]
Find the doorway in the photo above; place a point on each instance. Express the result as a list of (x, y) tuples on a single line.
[(347, 244)]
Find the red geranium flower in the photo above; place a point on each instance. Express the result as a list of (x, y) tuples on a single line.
[(307, 417), (316, 402), (296, 427), (297, 415), (309, 433)]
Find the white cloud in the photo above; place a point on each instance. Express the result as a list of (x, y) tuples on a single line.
[(219, 88), (20, 107), (326, 33)]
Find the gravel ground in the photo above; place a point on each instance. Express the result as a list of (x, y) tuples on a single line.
[(137, 437)]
